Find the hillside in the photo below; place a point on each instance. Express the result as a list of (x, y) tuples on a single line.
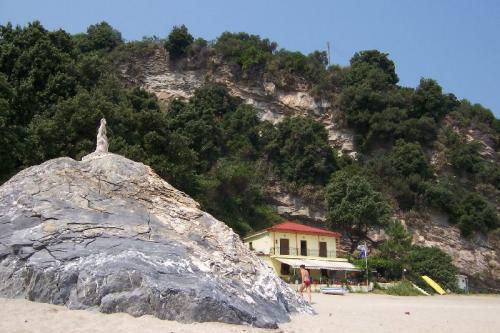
[(256, 133)]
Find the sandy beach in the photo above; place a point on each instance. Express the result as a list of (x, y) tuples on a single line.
[(352, 313)]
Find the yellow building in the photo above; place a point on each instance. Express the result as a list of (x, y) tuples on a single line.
[(288, 245)]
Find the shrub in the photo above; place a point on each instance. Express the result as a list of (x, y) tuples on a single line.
[(232, 191), (248, 52), (409, 159), (469, 114), (474, 213), (100, 36), (403, 288), (372, 64), (390, 269), (178, 42), (300, 151), (441, 196), (434, 263), (286, 66), (465, 157), (430, 101)]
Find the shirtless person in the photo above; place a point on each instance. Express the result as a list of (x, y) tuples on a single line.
[(306, 282)]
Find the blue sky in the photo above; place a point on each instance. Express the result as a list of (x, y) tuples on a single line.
[(454, 42)]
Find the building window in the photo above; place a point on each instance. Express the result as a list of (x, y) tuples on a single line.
[(303, 248), (284, 246), (285, 269), (250, 245), (322, 249)]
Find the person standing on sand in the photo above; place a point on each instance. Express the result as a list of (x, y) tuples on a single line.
[(306, 282)]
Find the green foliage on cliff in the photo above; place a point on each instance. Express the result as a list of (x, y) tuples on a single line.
[(474, 213), (354, 206), (247, 53), (401, 172), (99, 36), (300, 151), (434, 263), (398, 253), (178, 42), (54, 88), (382, 111)]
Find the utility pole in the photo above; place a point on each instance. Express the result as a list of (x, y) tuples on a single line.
[(328, 52), (366, 262)]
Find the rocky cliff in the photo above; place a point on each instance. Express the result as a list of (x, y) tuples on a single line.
[(158, 75), (108, 233), (479, 258)]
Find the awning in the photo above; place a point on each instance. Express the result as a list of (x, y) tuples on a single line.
[(320, 264)]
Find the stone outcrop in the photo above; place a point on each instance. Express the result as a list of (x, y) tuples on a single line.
[(102, 139), (108, 233), (293, 206)]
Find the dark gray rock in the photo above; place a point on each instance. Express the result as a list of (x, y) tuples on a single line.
[(108, 233)]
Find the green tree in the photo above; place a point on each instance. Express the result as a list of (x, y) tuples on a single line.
[(201, 121), (10, 135), (423, 130), (402, 173), (392, 255), (285, 67), (241, 133), (429, 100), (409, 159), (465, 157), (232, 191), (441, 195), (300, 151), (249, 53), (354, 207), (178, 42), (100, 36), (374, 66), (468, 114), (474, 213), (398, 244)]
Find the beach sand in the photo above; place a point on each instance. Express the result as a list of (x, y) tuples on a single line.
[(350, 313)]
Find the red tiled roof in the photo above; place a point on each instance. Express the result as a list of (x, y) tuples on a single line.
[(296, 227)]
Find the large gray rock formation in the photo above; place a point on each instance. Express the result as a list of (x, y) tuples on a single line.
[(108, 233)]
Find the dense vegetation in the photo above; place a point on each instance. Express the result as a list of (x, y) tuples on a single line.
[(398, 253), (54, 88)]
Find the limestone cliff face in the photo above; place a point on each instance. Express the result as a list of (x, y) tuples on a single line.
[(293, 206), (158, 76), (108, 233)]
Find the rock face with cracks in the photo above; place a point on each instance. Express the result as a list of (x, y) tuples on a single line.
[(108, 233)]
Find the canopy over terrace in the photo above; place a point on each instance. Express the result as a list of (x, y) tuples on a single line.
[(320, 264)]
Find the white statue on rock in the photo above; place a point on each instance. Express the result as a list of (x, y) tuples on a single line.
[(102, 139)]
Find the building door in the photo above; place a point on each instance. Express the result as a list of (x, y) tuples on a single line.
[(322, 249), (303, 248), (284, 246), (285, 269)]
